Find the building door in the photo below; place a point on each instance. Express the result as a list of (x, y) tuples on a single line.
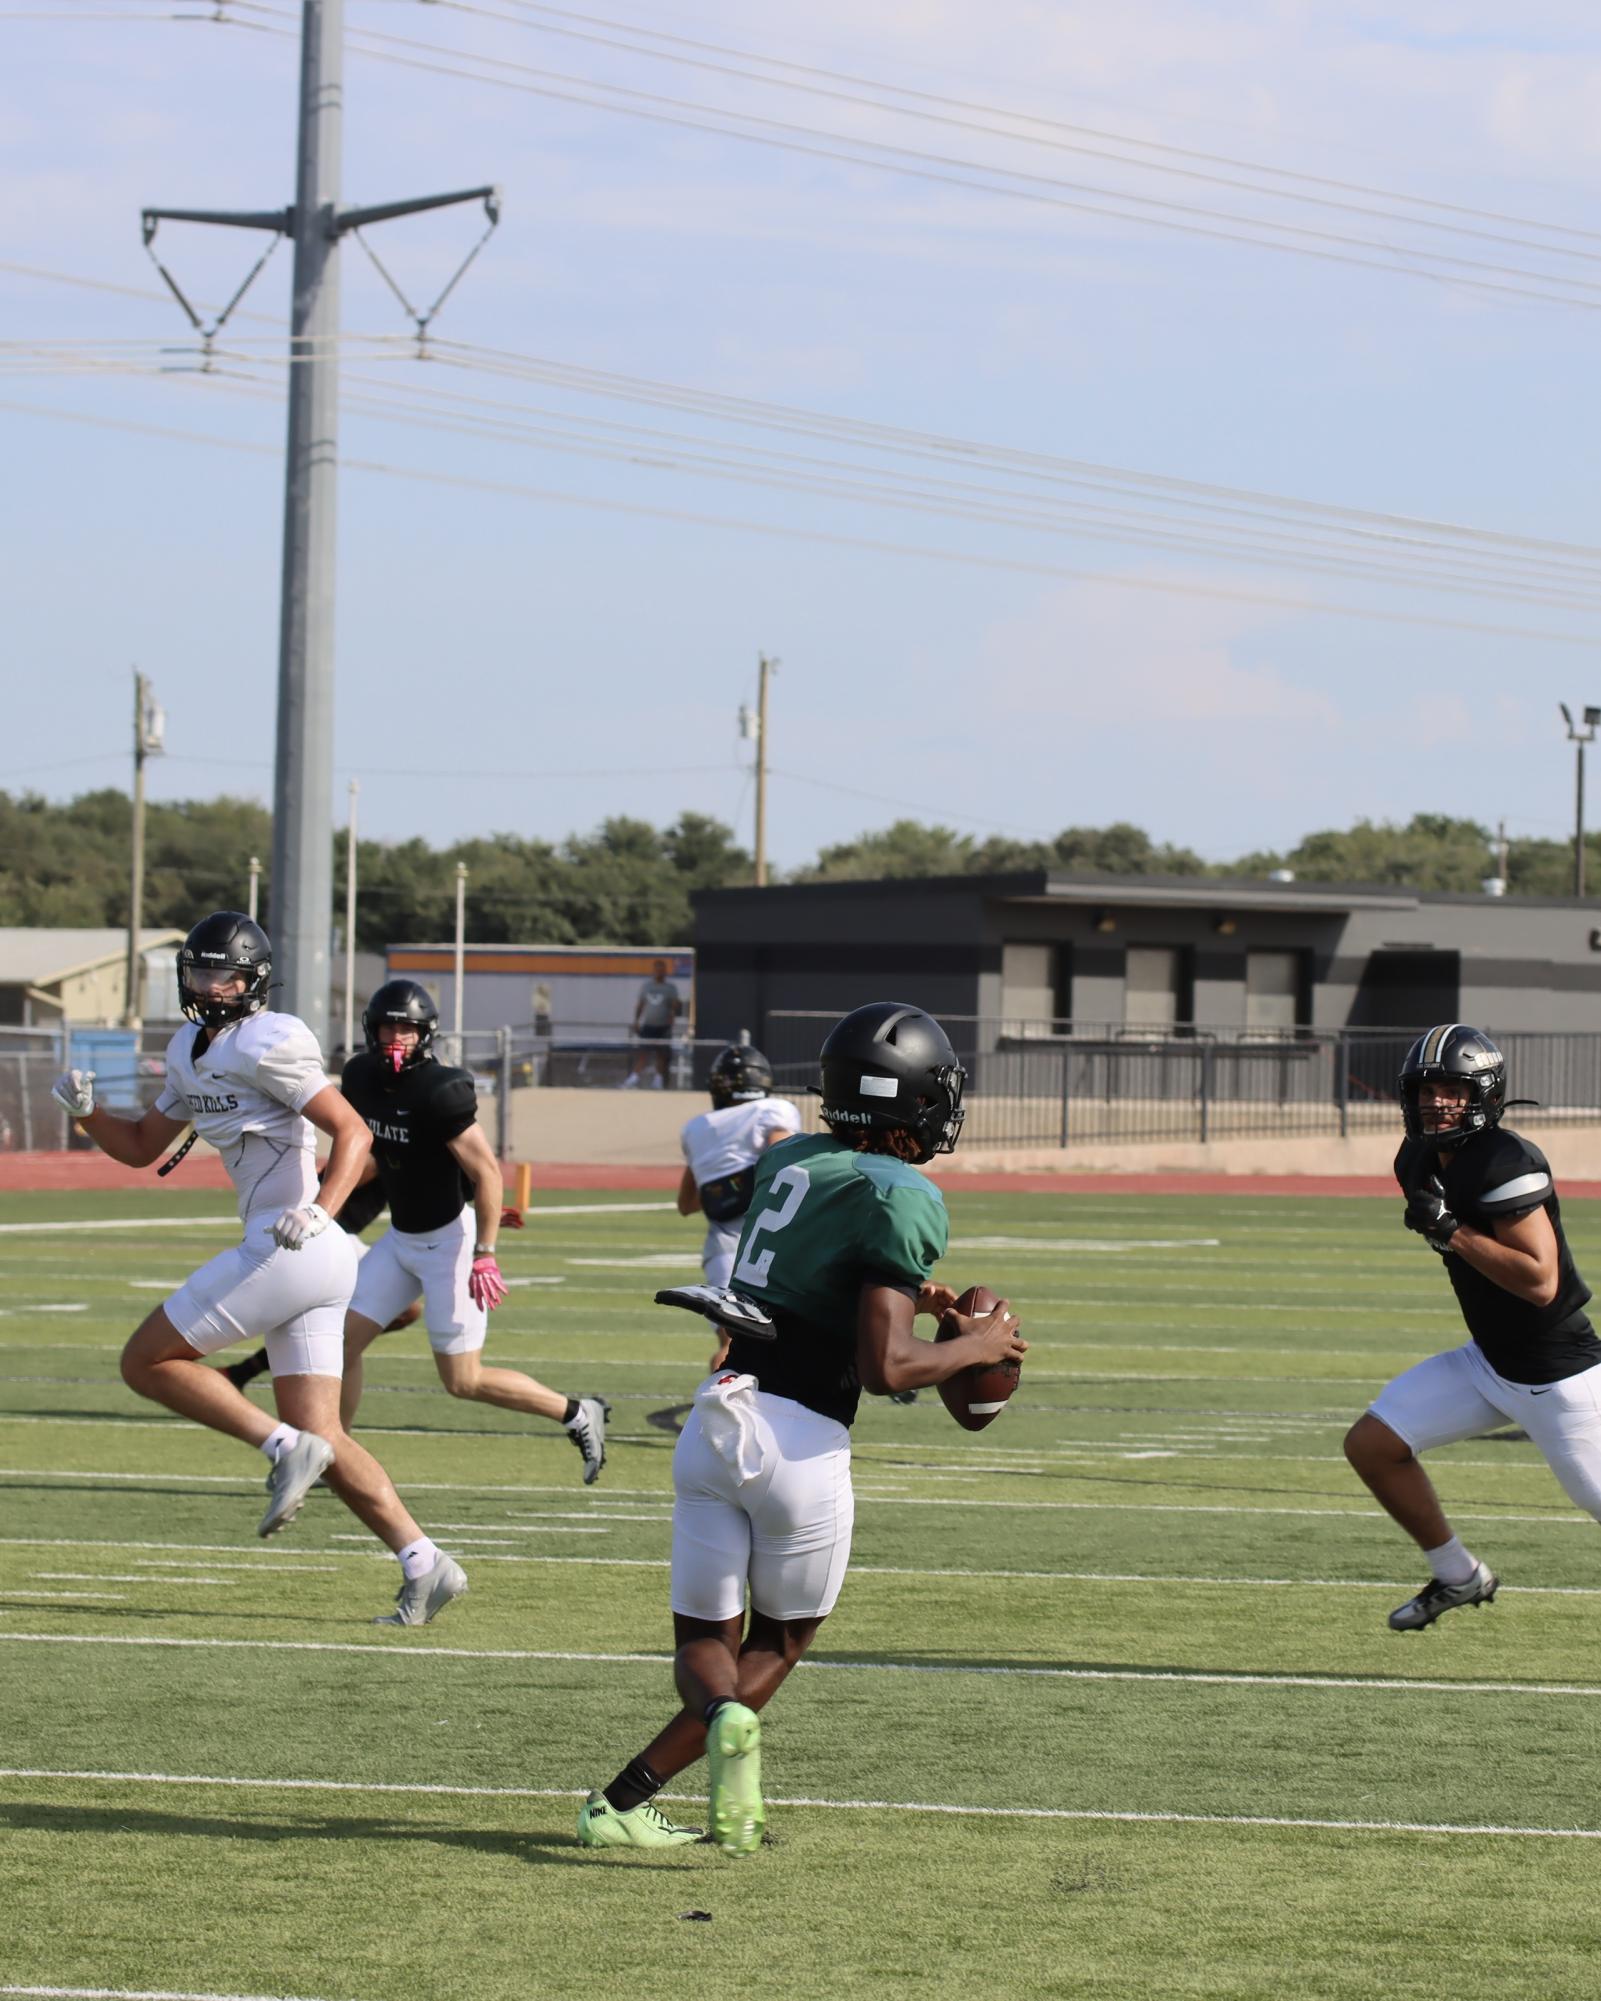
[(1272, 993), (1404, 989), (1028, 989), (1152, 987)]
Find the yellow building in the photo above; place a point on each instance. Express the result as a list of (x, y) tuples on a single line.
[(48, 976)]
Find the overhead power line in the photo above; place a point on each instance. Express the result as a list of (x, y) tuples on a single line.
[(527, 9), (869, 545), (825, 84)]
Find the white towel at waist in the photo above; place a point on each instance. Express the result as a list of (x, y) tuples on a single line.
[(727, 1407)]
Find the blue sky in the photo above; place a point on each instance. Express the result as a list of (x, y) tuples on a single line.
[(531, 638)]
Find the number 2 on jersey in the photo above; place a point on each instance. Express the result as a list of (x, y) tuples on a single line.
[(794, 1181)]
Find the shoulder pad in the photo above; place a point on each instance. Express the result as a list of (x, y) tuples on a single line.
[(257, 1033), (452, 1096), (1503, 1175)]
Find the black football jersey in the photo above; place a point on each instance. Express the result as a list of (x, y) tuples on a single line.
[(1499, 1175), (363, 1205), (411, 1116)]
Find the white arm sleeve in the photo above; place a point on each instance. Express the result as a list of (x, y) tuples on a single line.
[(289, 1067)]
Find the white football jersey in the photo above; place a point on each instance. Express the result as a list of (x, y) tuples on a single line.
[(245, 1097), (735, 1136)]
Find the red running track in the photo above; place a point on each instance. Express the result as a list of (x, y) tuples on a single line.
[(87, 1171)]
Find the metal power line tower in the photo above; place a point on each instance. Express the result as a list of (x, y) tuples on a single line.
[(302, 836)]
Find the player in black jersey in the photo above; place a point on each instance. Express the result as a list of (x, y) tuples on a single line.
[(1484, 1199), (433, 1160)]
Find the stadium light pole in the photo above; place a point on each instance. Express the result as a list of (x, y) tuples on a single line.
[(303, 769), (1579, 737)]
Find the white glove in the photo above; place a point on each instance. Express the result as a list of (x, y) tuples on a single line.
[(298, 1226), (75, 1093)]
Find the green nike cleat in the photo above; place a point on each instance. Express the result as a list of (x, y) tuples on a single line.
[(600, 1825), (734, 1754)]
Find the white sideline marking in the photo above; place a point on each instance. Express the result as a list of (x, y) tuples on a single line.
[(836, 1806), (1389, 1684), (1086, 1243), (651, 1261), (605, 1209), (121, 1223), (143, 1994)]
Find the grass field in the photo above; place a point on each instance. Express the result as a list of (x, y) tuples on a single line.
[(1109, 1707)]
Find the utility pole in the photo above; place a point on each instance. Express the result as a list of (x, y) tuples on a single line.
[(350, 924), (149, 728), (255, 887), (766, 669), (461, 961), (302, 838), (1579, 738)]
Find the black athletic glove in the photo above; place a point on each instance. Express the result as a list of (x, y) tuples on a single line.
[(1427, 1214)]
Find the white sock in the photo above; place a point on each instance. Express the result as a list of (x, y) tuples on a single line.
[(418, 1558), (279, 1440), (1451, 1563)]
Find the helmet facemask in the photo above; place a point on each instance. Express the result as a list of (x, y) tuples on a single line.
[(1469, 1062), (220, 949), (401, 1004)]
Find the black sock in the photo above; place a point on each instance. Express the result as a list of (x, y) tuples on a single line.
[(571, 1411), (633, 1785), (240, 1373), (717, 1702)]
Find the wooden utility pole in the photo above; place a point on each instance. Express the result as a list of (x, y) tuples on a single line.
[(767, 668)]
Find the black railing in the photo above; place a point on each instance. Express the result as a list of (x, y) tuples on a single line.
[(1043, 1084)]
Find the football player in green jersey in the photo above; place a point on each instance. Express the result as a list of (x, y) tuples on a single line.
[(837, 1248)]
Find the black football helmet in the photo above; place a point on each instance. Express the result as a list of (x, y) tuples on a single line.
[(411, 1006), (225, 942), (889, 1065), (1453, 1053), (739, 1076)]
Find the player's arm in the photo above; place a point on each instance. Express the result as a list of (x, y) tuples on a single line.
[(1519, 1254), (891, 1357), (135, 1142), (476, 1159), (688, 1193), (331, 1112)]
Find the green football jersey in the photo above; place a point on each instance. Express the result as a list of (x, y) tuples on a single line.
[(823, 1221)]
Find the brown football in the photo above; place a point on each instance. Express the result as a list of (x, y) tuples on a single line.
[(976, 1397)]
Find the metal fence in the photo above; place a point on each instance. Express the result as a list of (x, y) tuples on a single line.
[(1058, 1084), (1030, 1084)]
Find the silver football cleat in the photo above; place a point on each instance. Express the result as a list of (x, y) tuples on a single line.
[(294, 1473), (588, 1433), (420, 1599)]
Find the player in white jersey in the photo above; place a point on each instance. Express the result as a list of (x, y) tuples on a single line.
[(251, 1083), (721, 1149)]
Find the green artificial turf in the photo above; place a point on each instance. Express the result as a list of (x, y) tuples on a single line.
[(1141, 1620)]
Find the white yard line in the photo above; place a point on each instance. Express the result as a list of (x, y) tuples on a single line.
[(1389, 1685), (951, 1808), (143, 1994)]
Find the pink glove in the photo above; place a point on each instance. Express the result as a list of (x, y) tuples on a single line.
[(485, 1286)]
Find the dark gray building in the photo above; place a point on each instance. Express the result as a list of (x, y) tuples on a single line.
[(1094, 955)]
